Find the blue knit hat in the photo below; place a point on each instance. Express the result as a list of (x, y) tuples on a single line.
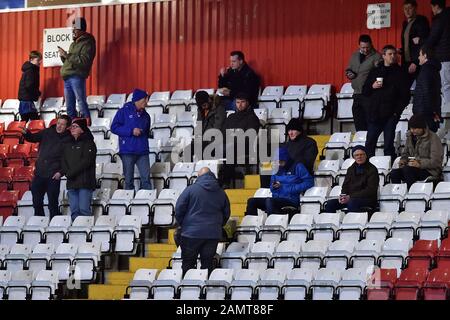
[(359, 147), (139, 94)]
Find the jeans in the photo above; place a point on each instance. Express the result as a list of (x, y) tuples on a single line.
[(80, 202), (143, 164), (39, 187), (354, 205), (75, 91), (359, 110), (269, 205), (445, 81), (191, 248), (375, 129), (408, 174), (28, 111)]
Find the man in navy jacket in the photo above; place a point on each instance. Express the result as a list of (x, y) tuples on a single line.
[(132, 124), (201, 211)]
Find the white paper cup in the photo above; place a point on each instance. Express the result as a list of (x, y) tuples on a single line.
[(380, 80)]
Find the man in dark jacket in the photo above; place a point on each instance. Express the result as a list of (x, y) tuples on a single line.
[(239, 77), (47, 175), (29, 87), (78, 165), (360, 188), (201, 211), (439, 41), (415, 31), (132, 124), (212, 116), (286, 185), (76, 67), (427, 95), (388, 94)]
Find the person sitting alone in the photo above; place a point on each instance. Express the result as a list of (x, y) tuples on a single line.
[(360, 188), (286, 185)]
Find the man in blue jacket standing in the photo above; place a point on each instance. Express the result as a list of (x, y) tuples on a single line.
[(286, 185), (132, 124), (201, 211)]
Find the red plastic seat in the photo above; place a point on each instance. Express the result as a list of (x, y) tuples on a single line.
[(8, 202), (53, 122), (36, 125), (13, 135), (443, 255), (381, 284), (22, 179), (18, 155), (31, 159), (437, 285), (4, 150), (422, 254), (6, 174), (409, 284)]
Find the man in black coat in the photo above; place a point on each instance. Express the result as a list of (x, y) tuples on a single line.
[(239, 77), (29, 87), (427, 95), (388, 94), (47, 175), (415, 31)]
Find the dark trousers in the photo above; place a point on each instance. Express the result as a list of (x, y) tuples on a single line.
[(39, 187), (269, 205), (354, 205), (386, 126), (359, 110), (410, 175), (191, 248), (29, 116)]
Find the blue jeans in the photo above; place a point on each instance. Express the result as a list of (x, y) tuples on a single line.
[(39, 187), (191, 248), (75, 90), (143, 164), (374, 131), (445, 81), (354, 205), (80, 202), (269, 205)]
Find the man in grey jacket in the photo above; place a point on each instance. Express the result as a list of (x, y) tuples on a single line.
[(361, 63), (422, 156)]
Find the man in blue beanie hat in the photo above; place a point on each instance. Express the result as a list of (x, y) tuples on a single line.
[(132, 124), (360, 188), (286, 185)]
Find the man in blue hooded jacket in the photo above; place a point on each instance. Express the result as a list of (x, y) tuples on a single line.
[(201, 211), (286, 185), (132, 124)]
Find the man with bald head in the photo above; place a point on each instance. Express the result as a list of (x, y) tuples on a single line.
[(201, 211)]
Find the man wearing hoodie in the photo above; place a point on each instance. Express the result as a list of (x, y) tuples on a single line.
[(78, 165), (286, 185), (201, 211), (77, 64), (388, 92), (427, 95), (132, 124), (29, 87)]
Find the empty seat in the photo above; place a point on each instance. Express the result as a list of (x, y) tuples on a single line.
[(164, 207), (181, 175), (433, 224), (270, 284), (324, 285), (405, 225), (337, 146), (234, 256), (191, 285), (312, 253), (118, 205), (418, 196), (353, 283), (102, 232), (345, 104), (299, 227), (381, 284), (127, 234), (394, 253), (392, 196), (286, 255), (61, 261), (312, 201), (326, 173), (366, 253), (436, 286), (339, 253), (139, 288), (141, 205), (260, 255), (166, 286), (422, 254), (243, 285), (79, 231), (379, 225), (45, 285), (33, 231), (19, 285), (16, 259), (216, 287), (316, 102), (410, 283), (270, 97), (296, 285), (11, 230), (326, 226), (352, 226), (439, 199), (383, 164), (57, 229), (39, 259), (249, 228), (293, 98), (86, 261)]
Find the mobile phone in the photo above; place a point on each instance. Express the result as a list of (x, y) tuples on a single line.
[(411, 158)]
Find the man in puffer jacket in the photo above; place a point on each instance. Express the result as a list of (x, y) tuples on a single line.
[(132, 124), (201, 211), (286, 185)]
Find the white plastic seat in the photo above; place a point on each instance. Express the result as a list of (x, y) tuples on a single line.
[(118, 98), (312, 201), (179, 100), (262, 193), (78, 232), (440, 198), (260, 255), (352, 226), (248, 230), (5, 277), (343, 171), (181, 174), (101, 126), (39, 259), (118, 205), (286, 255), (25, 206), (127, 234), (106, 149), (366, 253), (141, 284), (312, 253), (141, 205), (359, 138), (244, 283), (51, 107), (337, 146), (45, 285), (86, 260), (61, 261), (405, 225), (16, 259), (270, 97), (383, 164), (110, 109), (324, 285), (270, 284), (274, 227), (102, 232), (159, 172), (316, 101), (111, 176), (19, 285), (293, 98), (299, 227), (392, 196), (395, 251), (162, 127), (418, 196), (432, 225), (326, 173), (345, 103), (353, 283), (57, 229), (325, 226), (166, 286), (159, 98), (379, 225), (11, 229), (9, 110), (216, 287), (262, 115), (192, 284), (339, 253), (297, 284), (164, 207), (34, 229)]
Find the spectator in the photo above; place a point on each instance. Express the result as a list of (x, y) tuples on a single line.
[(212, 116), (246, 120), (301, 148), (47, 174), (415, 31), (361, 63), (422, 156), (78, 165), (360, 188), (132, 124), (29, 87), (388, 92), (239, 77), (439, 41), (201, 211), (76, 67), (286, 185), (427, 95)]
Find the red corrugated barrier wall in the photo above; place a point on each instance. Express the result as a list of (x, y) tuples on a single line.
[(182, 44)]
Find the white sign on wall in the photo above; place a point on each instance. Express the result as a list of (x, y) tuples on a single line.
[(379, 16), (53, 38)]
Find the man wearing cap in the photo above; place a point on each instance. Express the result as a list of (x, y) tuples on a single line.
[(132, 124), (76, 67), (286, 185), (301, 148), (422, 155), (78, 165), (212, 116), (360, 188)]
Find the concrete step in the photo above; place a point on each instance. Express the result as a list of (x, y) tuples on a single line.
[(106, 292), (238, 210), (239, 196), (148, 263), (119, 278), (252, 182)]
